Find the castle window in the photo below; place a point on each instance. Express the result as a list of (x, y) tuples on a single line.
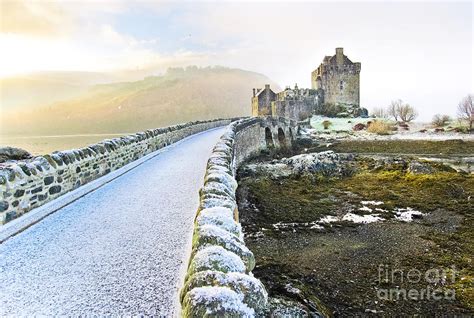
[(341, 85)]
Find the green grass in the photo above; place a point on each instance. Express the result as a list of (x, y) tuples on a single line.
[(445, 147)]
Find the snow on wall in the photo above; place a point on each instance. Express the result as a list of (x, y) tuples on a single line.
[(27, 184), (219, 281)]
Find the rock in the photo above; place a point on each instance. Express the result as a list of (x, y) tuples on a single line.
[(417, 167), (48, 180), (359, 127), (422, 130), (215, 302), (220, 217), (36, 190), (437, 130), (212, 235), (216, 258), (19, 193), (282, 308), (55, 189), (253, 291), (364, 113), (3, 206), (12, 153), (325, 162), (210, 200)]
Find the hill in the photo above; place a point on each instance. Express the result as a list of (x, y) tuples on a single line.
[(178, 96)]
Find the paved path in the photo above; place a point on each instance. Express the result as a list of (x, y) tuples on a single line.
[(118, 250)]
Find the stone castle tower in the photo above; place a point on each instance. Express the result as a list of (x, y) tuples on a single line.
[(338, 77), (335, 82)]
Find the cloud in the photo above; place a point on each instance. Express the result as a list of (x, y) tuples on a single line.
[(34, 18), (405, 52)]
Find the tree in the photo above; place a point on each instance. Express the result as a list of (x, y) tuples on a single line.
[(440, 120), (393, 108), (400, 110), (466, 110), (407, 113), (380, 112)]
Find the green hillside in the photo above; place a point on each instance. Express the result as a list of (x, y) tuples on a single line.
[(178, 96)]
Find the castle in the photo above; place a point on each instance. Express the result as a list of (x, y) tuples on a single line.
[(335, 90)]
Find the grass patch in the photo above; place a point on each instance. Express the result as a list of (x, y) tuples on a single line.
[(379, 127), (445, 147)]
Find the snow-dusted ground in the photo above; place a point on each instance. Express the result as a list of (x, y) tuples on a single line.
[(116, 251), (341, 128)]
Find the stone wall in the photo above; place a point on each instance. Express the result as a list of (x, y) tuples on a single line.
[(27, 184), (219, 282), (342, 86), (294, 109)]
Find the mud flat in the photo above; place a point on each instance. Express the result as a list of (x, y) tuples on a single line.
[(344, 234)]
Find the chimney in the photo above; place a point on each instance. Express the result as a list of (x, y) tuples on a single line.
[(339, 56), (267, 86), (254, 92)]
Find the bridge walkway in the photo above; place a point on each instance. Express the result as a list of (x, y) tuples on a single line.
[(119, 250)]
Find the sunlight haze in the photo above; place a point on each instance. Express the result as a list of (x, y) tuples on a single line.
[(420, 52)]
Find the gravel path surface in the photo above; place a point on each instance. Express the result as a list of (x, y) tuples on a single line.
[(116, 251)]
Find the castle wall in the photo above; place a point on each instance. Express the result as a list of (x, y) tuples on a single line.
[(28, 184), (345, 77), (292, 109)]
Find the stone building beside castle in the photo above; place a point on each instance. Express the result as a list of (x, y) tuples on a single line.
[(334, 84)]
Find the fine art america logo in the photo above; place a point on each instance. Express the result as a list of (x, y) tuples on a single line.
[(430, 283)]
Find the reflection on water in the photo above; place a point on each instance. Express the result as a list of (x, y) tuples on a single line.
[(38, 145)]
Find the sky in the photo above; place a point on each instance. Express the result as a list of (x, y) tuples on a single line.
[(420, 52)]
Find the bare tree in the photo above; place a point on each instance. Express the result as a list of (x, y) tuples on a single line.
[(393, 109), (407, 113), (380, 112), (466, 110)]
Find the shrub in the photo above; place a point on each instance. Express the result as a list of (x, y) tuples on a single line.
[(326, 124), (379, 127), (440, 120), (359, 127)]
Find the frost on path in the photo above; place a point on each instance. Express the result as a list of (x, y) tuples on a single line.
[(116, 251)]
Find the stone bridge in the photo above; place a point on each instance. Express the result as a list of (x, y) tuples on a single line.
[(112, 229)]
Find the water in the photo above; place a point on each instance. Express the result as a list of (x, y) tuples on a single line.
[(39, 145)]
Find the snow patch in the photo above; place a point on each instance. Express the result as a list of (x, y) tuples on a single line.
[(328, 219), (365, 208), (407, 214), (217, 258), (218, 301), (371, 202), (370, 218)]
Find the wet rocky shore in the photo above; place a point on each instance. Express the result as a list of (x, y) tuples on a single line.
[(344, 234)]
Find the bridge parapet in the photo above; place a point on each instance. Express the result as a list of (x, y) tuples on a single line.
[(28, 184), (219, 281)]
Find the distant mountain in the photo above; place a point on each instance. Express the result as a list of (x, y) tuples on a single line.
[(178, 96), (46, 87)]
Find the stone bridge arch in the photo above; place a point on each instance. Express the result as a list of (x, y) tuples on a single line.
[(269, 138), (277, 133), (282, 139)]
